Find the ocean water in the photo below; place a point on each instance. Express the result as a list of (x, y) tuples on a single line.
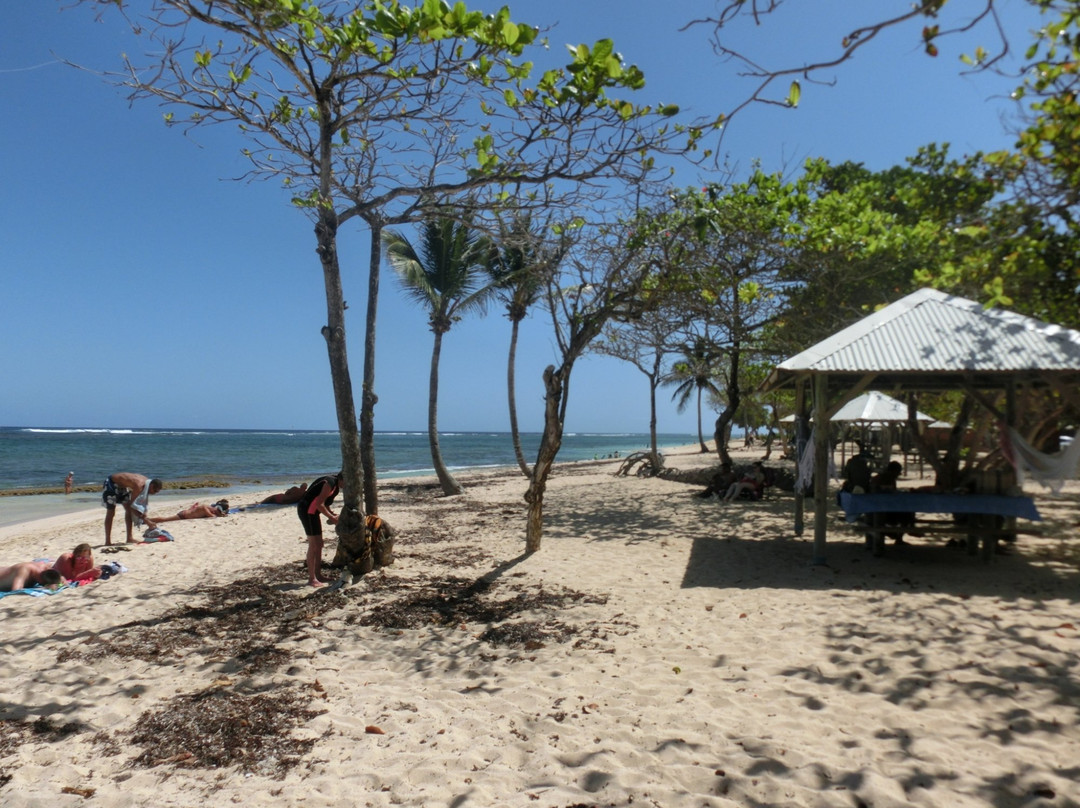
[(248, 460)]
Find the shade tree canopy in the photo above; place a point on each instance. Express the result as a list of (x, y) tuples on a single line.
[(381, 111)]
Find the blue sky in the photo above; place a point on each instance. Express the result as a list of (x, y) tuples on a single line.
[(144, 288)]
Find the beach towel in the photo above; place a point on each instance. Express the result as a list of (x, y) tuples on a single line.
[(157, 534), (37, 591), (141, 503)]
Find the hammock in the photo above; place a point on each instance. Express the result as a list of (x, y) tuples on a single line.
[(1051, 470), (805, 470)]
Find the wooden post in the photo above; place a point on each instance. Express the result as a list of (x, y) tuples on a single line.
[(800, 497), (821, 465)]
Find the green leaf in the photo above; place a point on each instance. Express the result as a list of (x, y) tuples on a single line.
[(510, 32), (794, 94)]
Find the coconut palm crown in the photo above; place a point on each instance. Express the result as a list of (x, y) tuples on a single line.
[(446, 276)]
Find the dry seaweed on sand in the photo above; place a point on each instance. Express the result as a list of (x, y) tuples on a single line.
[(242, 621), (460, 601), (219, 727), (528, 634)]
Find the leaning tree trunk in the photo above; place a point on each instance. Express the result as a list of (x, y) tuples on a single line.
[(350, 527), (723, 423), (774, 430), (550, 443), (515, 435), (450, 486), (368, 399)]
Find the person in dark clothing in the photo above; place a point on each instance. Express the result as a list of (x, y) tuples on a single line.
[(856, 473), (315, 501), (885, 483)]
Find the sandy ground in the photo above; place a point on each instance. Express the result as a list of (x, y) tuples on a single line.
[(659, 650)]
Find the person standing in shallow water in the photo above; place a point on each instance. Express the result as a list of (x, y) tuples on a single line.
[(316, 500), (68, 482)]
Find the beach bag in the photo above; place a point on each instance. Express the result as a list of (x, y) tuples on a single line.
[(157, 534), (111, 568), (382, 540), (360, 556)]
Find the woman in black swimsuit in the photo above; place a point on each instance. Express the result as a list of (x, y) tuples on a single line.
[(316, 500)]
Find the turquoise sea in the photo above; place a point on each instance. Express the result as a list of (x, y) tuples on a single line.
[(248, 460)]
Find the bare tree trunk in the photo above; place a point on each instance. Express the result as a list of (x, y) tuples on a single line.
[(514, 434), (350, 527), (549, 447), (368, 398), (653, 383), (947, 466), (450, 486)]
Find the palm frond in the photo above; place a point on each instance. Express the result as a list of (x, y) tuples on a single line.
[(445, 272), (403, 259)]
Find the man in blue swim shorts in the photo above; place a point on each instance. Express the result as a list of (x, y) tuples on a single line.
[(132, 491)]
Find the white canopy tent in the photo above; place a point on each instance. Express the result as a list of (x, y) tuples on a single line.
[(873, 408), (876, 408), (869, 410)]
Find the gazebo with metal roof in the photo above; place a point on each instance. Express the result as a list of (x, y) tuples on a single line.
[(927, 341)]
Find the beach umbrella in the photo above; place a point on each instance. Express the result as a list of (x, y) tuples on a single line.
[(872, 407), (875, 407)]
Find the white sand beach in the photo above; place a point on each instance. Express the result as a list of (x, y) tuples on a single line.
[(659, 650)]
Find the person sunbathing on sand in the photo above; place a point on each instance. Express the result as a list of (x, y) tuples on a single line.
[(290, 496), (198, 511), (78, 565), (29, 573)]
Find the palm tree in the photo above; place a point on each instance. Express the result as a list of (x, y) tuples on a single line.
[(447, 278), (518, 265), (694, 374)]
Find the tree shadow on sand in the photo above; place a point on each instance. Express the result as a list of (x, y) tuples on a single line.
[(751, 545)]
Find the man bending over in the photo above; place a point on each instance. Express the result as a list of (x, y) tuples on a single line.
[(133, 492)]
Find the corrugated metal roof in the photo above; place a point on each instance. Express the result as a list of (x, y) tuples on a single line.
[(929, 331)]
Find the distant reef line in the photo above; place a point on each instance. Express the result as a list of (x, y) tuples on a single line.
[(182, 485)]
